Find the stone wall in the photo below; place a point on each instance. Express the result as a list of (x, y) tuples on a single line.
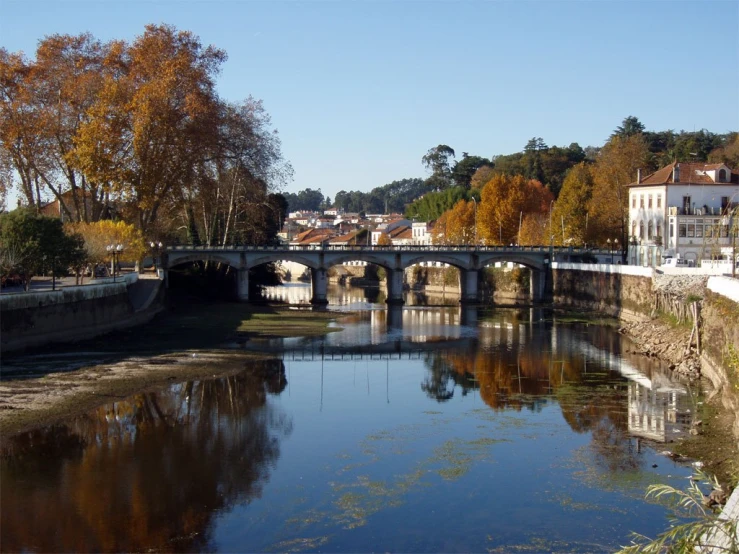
[(617, 290), (71, 313), (437, 280)]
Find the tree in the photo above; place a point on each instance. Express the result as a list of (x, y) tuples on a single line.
[(457, 224), (465, 168), (505, 201), (570, 210), (482, 176), (615, 168), (97, 236), (728, 154), (629, 127), (154, 121), (305, 200), (43, 106), (31, 244), (532, 158), (534, 230), (438, 161), (384, 240), (431, 205)]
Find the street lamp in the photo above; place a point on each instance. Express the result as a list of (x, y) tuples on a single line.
[(115, 251), (613, 247), (475, 201), (156, 247), (551, 233)]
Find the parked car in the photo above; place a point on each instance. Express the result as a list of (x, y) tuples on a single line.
[(670, 261)]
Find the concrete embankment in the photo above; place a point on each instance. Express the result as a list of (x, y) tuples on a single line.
[(76, 313)]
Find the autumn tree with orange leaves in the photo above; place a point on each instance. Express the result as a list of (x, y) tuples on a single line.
[(137, 131), (506, 201)]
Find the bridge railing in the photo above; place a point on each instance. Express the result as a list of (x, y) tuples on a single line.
[(390, 248)]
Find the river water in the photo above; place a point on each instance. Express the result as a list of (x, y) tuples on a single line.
[(421, 429)]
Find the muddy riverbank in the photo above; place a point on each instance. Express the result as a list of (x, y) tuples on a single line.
[(185, 343)]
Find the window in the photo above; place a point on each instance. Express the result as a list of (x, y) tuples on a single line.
[(649, 229), (722, 176), (682, 230), (672, 230), (641, 201), (698, 228), (659, 201), (724, 203), (709, 231), (650, 202), (691, 230), (724, 231), (658, 228), (686, 204), (641, 229), (633, 200), (633, 228)]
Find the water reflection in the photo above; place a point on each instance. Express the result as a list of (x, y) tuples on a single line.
[(149, 472), (353, 298), (370, 427)]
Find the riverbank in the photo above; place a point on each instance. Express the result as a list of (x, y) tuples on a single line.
[(188, 342), (712, 441)]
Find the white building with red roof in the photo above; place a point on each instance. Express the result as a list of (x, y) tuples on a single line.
[(684, 210)]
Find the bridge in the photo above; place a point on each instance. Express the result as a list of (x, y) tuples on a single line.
[(469, 260)]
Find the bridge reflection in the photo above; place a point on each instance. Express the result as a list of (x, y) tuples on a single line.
[(512, 358)]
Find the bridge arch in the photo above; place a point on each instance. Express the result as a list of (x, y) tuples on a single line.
[(286, 256), (233, 260), (486, 260), (436, 257), (338, 259)]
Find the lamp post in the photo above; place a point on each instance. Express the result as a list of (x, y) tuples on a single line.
[(156, 248), (115, 251), (615, 247), (475, 201), (551, 233)]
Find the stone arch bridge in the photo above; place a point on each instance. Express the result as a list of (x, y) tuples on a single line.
[(394, 259)]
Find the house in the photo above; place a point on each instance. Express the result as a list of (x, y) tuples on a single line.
[(421, 233), (86, 208), (685, 210), (356, 237), (312, 237)]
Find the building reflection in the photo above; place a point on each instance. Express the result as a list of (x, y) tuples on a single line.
[(657, 415)]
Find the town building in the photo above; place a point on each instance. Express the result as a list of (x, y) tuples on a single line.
[(421, 233), (684, 210)]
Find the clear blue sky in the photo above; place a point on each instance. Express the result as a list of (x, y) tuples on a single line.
[(359, 91)]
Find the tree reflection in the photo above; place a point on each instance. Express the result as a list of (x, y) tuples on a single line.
[(145, 473), (521, 366)]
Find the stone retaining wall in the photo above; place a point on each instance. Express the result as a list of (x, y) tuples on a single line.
[(617, 290), (68, 314)]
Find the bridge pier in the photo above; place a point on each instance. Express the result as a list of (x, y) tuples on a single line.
[(319, 286), (537, 281), (242, 280), (394, 280), (468, 286)]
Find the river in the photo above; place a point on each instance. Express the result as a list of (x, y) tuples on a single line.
[(419, 429)]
